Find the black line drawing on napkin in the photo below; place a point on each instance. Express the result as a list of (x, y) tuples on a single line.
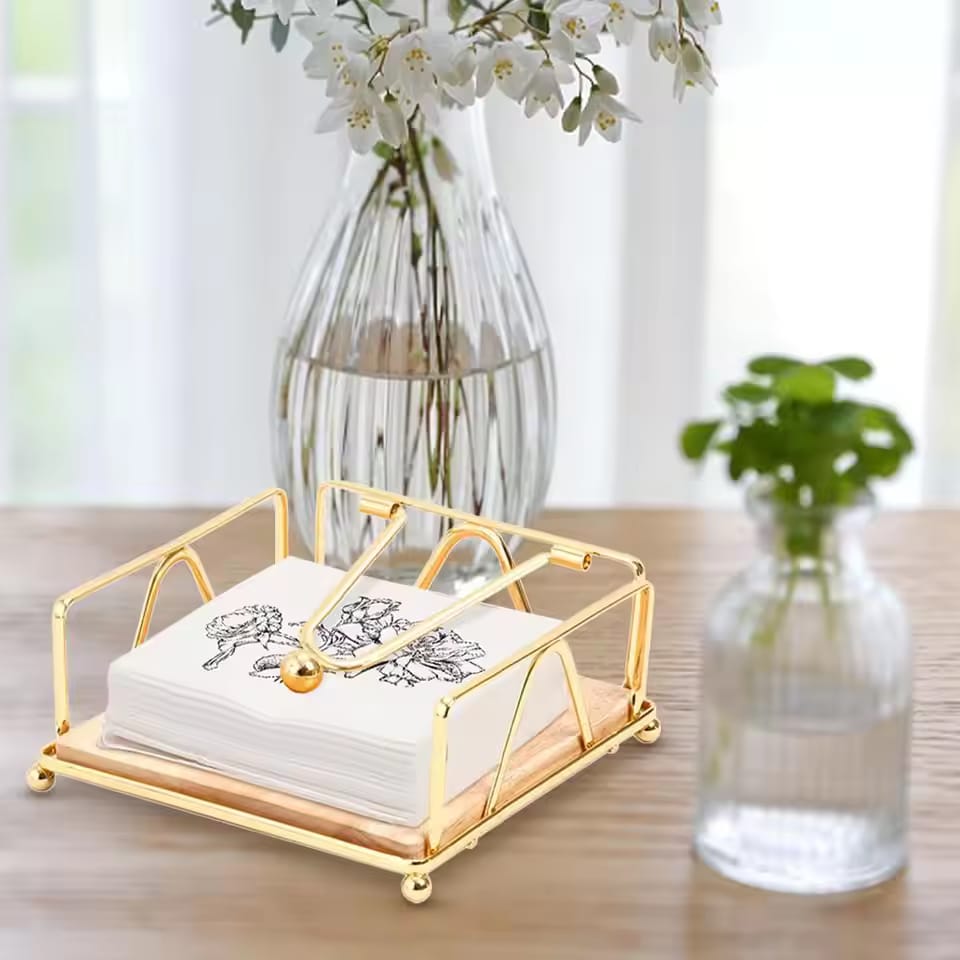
[(254, 623), (370, 621)]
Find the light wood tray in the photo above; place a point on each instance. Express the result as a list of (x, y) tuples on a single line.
[(550, 750)]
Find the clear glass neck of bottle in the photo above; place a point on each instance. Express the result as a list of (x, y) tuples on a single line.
[(818, 540)]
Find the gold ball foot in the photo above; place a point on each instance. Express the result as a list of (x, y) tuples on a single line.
[(40, 780), (614, 749), (301, 671), (416, 887), (650, 733), (472, 845)]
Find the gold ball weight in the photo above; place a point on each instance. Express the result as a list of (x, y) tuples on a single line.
[(416, 887), (301, 671), (40, 780)]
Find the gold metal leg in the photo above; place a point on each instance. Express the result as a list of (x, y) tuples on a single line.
[(651, 732), (39, 779), (416, 887)]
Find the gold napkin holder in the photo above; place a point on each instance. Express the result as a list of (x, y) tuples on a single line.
[(601, 715)]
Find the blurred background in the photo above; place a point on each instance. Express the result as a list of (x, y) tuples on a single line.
[(160, 184)]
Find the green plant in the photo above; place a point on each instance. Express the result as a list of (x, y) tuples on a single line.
[(813, 451)]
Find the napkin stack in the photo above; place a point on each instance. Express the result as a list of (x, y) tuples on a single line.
[(207, 691)]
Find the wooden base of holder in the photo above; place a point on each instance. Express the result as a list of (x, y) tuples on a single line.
[(546, 753)]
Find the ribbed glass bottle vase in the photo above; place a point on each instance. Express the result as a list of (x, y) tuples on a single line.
[(805, 722), (417, 359)]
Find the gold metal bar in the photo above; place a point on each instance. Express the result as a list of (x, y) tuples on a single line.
[(346, 584), (319, 523), (505, 529), (185, 555), (496, 543), (436, 797), (638, 647), (62, 605), (383, 507), (579, 619), (564, 556), (231, 815), (439, 856), (420, 629), (562, 649), (438, 755)]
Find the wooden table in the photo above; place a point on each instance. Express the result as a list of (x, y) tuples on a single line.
[(600, 868)]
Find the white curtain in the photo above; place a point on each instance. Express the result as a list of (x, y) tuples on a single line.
[(159, 185)]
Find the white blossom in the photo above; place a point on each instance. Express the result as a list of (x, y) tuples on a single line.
[(333, 40), (368, 116), (604, 113), (457, 71), (280, 8), (621, 21), (413, 63), (510, 66), (693, 68), (662, 38), (703, 13), (575, 27), (543, 91)]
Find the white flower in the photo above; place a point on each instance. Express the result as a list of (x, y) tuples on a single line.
[(703, 12), (456, 71), (575, 27), (367, 116), (281, 8), (620, 21), (693, 68), (662, 38), (333, 41), (413, 63), (510, 66), (604, 113), (543, 91)]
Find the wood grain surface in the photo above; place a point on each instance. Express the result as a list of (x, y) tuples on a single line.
[(601, 868)]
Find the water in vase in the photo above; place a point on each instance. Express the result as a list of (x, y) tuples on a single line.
[(433, 437)]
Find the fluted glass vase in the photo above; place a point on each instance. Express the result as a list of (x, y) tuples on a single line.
[(417, 358), (805, 719)]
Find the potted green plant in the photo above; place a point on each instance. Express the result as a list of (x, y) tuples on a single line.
[(806, 692)]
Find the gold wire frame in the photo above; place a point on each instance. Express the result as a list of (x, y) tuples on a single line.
[(640, 721)]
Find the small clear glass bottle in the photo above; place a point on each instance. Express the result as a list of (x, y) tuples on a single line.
[(806, 702)]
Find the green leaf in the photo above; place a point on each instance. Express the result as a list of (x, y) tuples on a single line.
[(455, 10), (876, 462), (243, 18), (279, 32), (879, 418), (383, 150), (771, 364), (853, 368), (538, 20), (806, 383), (696, 438), (747, 392)]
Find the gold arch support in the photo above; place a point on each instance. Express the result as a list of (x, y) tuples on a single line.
[(562, 649), (468, 531), (187, 555)]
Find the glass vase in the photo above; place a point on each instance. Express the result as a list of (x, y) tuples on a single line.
[(417, 358), (805, 720)]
